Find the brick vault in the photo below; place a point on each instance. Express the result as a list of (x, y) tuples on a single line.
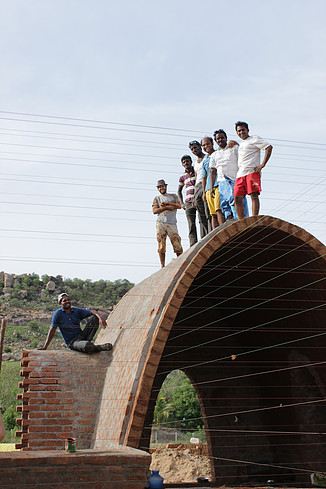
[(242, 314)]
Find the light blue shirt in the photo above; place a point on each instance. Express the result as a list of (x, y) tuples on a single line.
[(206, 173)]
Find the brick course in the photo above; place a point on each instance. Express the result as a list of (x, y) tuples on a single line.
[(115, 392), (118, 468)]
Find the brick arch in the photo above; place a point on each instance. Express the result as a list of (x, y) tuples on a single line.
[(144, 329), (153, 306), (189, 267)]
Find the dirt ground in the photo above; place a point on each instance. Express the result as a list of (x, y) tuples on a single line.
[(182, 463)]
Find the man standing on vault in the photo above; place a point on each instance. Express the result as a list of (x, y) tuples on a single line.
[(165, 206), (67, 319)]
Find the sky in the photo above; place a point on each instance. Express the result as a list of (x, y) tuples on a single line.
[(99, 100)]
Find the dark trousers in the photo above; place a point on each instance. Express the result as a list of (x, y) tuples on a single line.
[(83, 342), (208, 217), (200, 206), (191, 219)]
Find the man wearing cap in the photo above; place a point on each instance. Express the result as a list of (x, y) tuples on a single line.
[(165, 206), (188, 180), (67, 319)]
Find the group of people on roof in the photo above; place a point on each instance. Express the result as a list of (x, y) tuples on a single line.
[(216, 185)]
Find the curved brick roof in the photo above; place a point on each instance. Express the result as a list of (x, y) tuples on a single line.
[(242, 313), (141, 323)]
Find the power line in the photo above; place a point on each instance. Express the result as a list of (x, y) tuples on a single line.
[(133, 125)]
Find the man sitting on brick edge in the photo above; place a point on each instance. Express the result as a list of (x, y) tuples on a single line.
[(67, 319)]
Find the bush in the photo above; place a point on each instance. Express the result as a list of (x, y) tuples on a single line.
[(33, 324)]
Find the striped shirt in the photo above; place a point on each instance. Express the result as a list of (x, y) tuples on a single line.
[(189, 180)]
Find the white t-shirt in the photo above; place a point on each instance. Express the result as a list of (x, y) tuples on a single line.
[(198, 166), (249, 154), (225, 160)]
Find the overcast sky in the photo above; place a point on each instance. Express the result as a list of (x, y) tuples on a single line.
[(76, 193)]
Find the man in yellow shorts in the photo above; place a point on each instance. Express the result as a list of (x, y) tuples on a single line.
[(214, 204)]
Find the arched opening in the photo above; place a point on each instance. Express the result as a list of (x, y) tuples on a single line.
[(178, 438), (249, 333)]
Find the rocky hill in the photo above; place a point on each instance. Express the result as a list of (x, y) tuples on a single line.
[(27, 303)]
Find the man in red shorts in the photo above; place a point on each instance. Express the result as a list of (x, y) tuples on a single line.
[(248, 176)]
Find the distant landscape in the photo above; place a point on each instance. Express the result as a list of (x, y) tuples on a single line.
[(27, 303)]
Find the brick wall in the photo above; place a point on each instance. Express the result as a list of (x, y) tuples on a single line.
[(60, 398), (142, 327), (118, 468)]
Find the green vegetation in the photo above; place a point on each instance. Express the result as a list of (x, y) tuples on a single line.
[(9, 379), (19, 337), (29, 291), (177, 409), (177, 404)]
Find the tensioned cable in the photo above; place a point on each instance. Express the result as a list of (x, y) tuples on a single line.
[(64, 206), (236, 245), (63, 182), (255, 374), (74, 216), (235, 267), (270, 432), (254, 306), (77, 165), (81, 234), (91, 139), (234, 255), (246, 411), (136, 125), (256, 349), (86, 150), (76, 262), (279, 156), (112, 199), (307, 471), (93, 127), (128, 142)]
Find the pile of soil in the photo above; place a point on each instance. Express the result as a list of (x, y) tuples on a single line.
[(182, 463)]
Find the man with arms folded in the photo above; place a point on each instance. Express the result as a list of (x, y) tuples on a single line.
[(67, 319), (213, 201), (203, 212), (224, 167), (248, 176), (165, 206), (188, 180)]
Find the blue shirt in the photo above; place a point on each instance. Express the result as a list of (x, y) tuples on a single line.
[(206, 173), (69, 324)]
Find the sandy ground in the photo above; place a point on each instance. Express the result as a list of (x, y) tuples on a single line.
[(7, 447), (181, 463)]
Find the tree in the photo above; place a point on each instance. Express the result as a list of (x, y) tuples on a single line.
[(178, 402)]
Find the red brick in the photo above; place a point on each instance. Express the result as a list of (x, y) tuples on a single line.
[(50, 375), (30, 407), (49, 395), (38, 387), (49, 381), (61, 460), (95, 460), (36, 429), (50, 407)]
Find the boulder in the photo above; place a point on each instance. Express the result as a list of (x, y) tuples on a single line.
[(9, 279), (50, 286)]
